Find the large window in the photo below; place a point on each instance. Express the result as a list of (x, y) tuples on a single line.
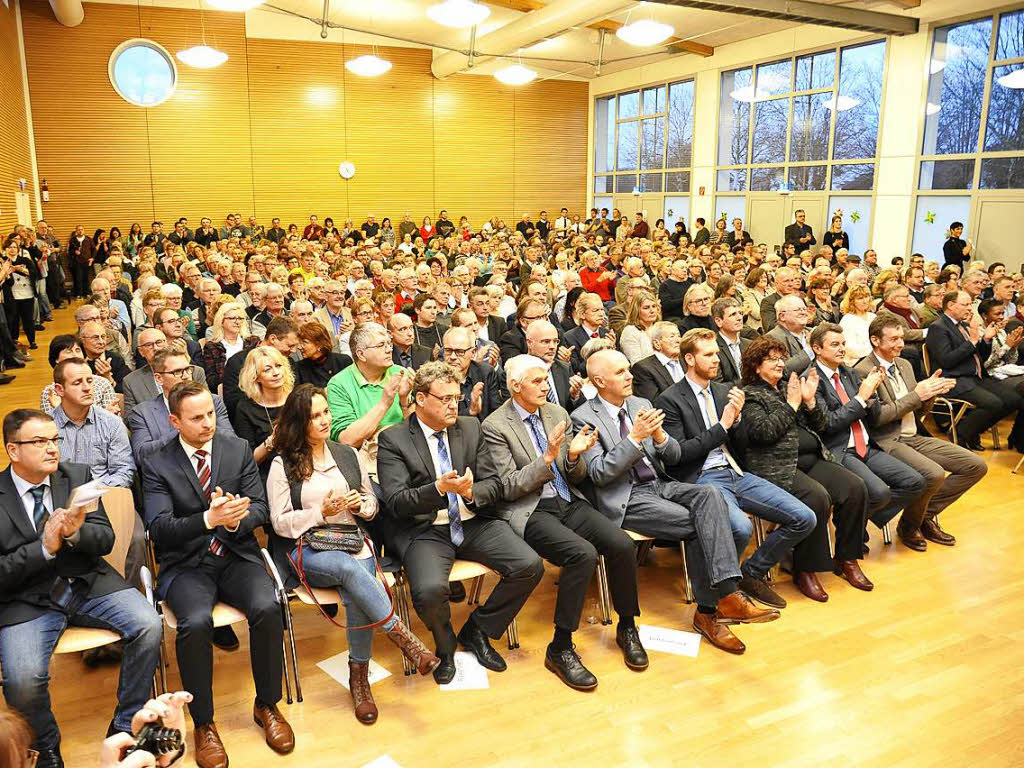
[(142, 72), (804, 123), (974, 113), (643, 140)]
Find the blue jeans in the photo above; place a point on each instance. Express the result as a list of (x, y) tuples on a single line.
[(364, 597), (26, 649), (748, 493)]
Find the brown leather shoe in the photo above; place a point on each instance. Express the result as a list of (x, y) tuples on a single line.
[(809, 586), (717, 633), (359, 687), (850, 570), (209, 749), (931, 530), (276, 729), (737, 608), (913, 540)]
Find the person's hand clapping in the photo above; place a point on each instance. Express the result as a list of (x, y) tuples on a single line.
[(476, 399), (647, 422), (870, 384), (556, 437), (809, 388), (582, 442), (794, 395), (732, 410), (565, 353)]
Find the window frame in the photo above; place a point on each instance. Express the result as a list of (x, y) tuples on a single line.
[(146, 43)]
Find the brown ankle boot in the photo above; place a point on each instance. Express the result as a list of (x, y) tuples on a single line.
[(422, 659), (359, 686)]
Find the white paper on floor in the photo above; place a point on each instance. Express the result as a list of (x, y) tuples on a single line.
[(337, 667), (469, 675), (669, 640), (384, 761)]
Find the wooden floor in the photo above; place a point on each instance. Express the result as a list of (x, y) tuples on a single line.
[(924, 671)]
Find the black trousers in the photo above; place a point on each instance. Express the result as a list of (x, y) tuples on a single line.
[(820, 485), (80, 279), (428, 562), (7, 345), (992, 400), (570, 535), (245, 586), (23, 314)]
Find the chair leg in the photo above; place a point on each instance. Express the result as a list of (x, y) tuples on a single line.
[(602, 577), (886, 535), (290, 629), (995, 438), (514, 626), (477, 587), (161, 667), (284, 670), (402, 607), (687, 586), (1017, 468)]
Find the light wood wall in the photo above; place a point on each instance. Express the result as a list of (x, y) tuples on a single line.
[(264, 133), (15, 162)]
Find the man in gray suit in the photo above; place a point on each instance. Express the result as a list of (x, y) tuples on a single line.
[(529, 447), (140, 385), (627, 474), (894, 427), (791, 330)]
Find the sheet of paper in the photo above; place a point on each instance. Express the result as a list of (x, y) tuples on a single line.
[(87, 494), (337, 667), (669, 640), (384, 761), (469, 675)]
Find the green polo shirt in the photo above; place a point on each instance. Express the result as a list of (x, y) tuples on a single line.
[(350, 397)]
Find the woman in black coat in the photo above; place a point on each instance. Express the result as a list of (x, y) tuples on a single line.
[(319, 363), (784, 448)]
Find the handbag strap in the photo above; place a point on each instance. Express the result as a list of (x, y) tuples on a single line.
[(297, 565)]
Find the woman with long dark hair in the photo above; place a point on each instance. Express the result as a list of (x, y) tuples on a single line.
[(314, 481)]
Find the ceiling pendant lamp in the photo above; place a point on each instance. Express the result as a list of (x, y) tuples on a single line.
[(645, 32), (1014, 80), (515, 74), (841, 104), (234, 5), (202, 57), (458, 14), (368, 65)]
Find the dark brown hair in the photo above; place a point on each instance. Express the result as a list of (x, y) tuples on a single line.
[(291, 441), (756, 354)]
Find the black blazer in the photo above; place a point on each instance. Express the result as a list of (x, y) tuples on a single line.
[(839, 417), (26, 576), (174, 504), (420, 355), (684, 422), (728, 372), (512, 343), (650, 378), (561, 373), (576, 338), (493, 395), (407, 476), (496, 328), (794, 232), (950, 351), (733, 240)]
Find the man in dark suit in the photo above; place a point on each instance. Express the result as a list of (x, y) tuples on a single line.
[(728, 318), (960, 349), (80, 257), (896, 429), (590, 309), (52, 573), (700, 234), (204, 499), (564, 387), (791, 330), (629, 485), (492, 327), (150, 421), (738, 236), (848, 403), (702, 415), (532, 456), (656, 373), (282, 335), (672, 292), (141, 385), (481, 389), (404, 349), (427, 469), (799, 233), (513, 341)]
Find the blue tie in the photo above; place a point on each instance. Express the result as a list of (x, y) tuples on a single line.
[(39, 514), (542, 440), (453, 501)]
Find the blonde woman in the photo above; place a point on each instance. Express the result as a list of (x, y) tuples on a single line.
[(266, 380), (857, 316), (229, 335), (884, 279), (644, 311)]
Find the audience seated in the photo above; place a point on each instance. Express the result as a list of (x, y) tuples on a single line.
[(728, 317), (659, 371), (65, 347)]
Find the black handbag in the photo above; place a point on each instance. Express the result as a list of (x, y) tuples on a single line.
[(340, 537)]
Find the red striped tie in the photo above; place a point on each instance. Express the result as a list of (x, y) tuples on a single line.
[(203, 472)]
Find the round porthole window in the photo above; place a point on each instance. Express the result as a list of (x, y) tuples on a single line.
[(142, 72)]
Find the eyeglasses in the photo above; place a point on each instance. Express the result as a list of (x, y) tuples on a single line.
[(775, 359), (160, 344), (173, 320), (452, 352), (385, 344), (39, 442), (92, 337), (177, 373), (447, 399), (535, 317)]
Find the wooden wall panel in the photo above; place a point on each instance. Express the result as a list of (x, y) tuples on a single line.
[(265, 132), (15, 161)]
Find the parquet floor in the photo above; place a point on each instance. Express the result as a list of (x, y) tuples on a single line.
[(924, 671)]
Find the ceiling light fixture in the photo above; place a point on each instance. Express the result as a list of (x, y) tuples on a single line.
[(1014, 80), (234, 5), (458, 13), (515, 74), (202, 57), (369, 65), (841, 104), (644, 32)]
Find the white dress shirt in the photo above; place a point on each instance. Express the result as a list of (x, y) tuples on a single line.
[(674, 367), (613, 414), (428, 433)]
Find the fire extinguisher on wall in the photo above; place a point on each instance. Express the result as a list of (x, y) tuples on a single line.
[(45, 189)]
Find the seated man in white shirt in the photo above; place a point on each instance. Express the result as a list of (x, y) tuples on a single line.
[(656, 373)]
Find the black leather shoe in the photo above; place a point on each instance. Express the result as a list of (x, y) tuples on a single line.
[(971, 443), (757, 589), (456, 592), (567, 665), (331, 610), (628, 639), (225, 638), (445, 671), (49, 758), (13, 363), (5, 379), (473, 639)]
